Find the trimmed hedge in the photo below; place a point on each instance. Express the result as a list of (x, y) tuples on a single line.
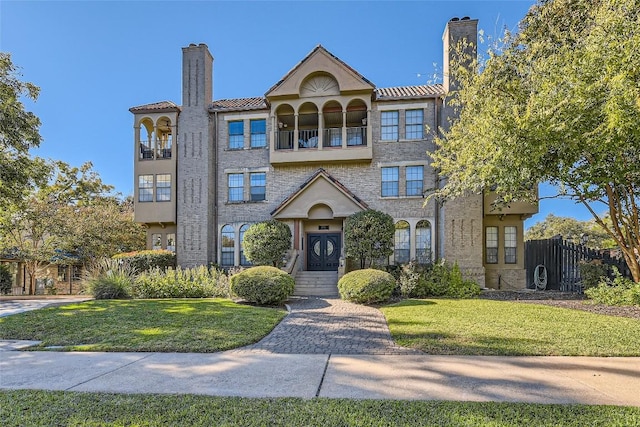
[(263, 285), (147, 260), (199, 282), (366, 286)]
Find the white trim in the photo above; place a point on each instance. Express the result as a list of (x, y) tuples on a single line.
[(237, 117)]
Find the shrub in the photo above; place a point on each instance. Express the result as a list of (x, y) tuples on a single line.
[(368, 236), (109, 279), (263, 285), (366, 286), (6, 280), (265, 243), (199, 282), (439, 280), (592, 274), (147, 260), (619, 291)]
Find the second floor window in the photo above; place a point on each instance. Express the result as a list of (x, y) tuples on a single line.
[(390, 182), (415, 176), (145, 188), (258, 186), (258, 133), (389, 126), (414, 124), (163, 187), (236, 135), (236, 185)]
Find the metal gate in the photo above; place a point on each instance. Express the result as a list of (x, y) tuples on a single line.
[(562, 262)]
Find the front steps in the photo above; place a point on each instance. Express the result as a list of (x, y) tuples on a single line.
[(317, 284)]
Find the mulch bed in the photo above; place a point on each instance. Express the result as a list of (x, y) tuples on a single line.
[(561, 299)]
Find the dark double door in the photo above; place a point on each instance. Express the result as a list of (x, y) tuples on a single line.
[(323, 252)]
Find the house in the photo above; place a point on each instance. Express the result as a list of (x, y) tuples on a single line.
[(321, 144)]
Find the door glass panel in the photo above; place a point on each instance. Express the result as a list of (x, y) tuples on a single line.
[(329, 248), (316, 248)]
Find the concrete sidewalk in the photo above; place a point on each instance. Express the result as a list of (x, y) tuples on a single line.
[(588, 380)]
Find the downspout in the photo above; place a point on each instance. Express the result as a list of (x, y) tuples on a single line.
[(436, 216), (215, 186)]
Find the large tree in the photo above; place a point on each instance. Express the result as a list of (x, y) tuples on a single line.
[(19, 132), (586, 232), (73, 216), (559, 101)]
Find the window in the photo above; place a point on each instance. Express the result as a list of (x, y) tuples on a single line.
[(258, 133), (243, 261), (423, 242), (402, 241), (236, 184), (390, 182), (76, 272), (145, 188), (171, 242), (156, 241), (163, 187), (510, 245), (236, 135), (228, 246), (258, 186), (414, 180), (389, 126), (413, 124), (491, 249), (62, 273)]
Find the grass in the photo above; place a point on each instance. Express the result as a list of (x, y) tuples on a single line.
[(484, 327), (46, 408), (176, 325)]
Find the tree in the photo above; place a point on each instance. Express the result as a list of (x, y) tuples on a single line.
[(37, 227), (19, 132), (265, 243), (558, 102), (368, 236), (6, 279), (587, 232)]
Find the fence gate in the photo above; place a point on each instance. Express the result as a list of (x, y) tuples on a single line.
[(562, 260)]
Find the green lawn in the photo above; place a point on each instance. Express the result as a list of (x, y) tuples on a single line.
[(484, 327), (46, 408), (176, 325)]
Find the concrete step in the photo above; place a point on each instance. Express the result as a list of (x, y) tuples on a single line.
[(317, 283)]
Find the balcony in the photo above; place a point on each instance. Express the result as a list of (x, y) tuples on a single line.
[(524, 209), (335, 144), (148, 152)]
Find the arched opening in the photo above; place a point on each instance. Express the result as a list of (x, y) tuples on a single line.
[(402, 243), (228, 239), (286, 126), (145, 141), (164, 138), (308, 126), (357, 121), (332, 117), (320, 211), (319, 84), (423, 242)]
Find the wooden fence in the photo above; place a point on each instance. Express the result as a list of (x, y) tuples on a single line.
[(562, 259)]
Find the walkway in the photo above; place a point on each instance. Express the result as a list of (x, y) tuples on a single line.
[(330, 326)]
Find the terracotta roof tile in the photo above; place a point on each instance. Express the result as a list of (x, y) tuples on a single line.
[(404, 92), (239, 104), (156, 106)]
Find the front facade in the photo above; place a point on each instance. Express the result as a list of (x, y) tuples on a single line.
[(321, 144)]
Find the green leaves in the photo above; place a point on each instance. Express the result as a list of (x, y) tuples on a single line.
[(368, 236), (265, 243)]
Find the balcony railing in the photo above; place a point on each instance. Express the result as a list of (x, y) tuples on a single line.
[(284, 140), (332, 137), (356, 136), (308, 138), (147, 151)]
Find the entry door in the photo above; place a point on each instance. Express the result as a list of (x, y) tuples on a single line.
[(323, 252)]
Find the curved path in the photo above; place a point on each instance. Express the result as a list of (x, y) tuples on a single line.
[(330, 326)]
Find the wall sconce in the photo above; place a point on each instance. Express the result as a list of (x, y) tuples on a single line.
[(364, 121), (280, 124)]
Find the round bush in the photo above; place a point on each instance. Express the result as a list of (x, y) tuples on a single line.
[(263, 285), (366, 286)]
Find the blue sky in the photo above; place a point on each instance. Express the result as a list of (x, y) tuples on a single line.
[(93, 60)]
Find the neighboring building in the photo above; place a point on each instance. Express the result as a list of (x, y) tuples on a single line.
[(322, 143)]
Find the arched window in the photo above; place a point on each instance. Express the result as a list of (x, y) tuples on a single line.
[(228, 246), (402, 243), (243, 261), (423, 242)]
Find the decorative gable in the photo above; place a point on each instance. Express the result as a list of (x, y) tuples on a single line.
[(320, 73)]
